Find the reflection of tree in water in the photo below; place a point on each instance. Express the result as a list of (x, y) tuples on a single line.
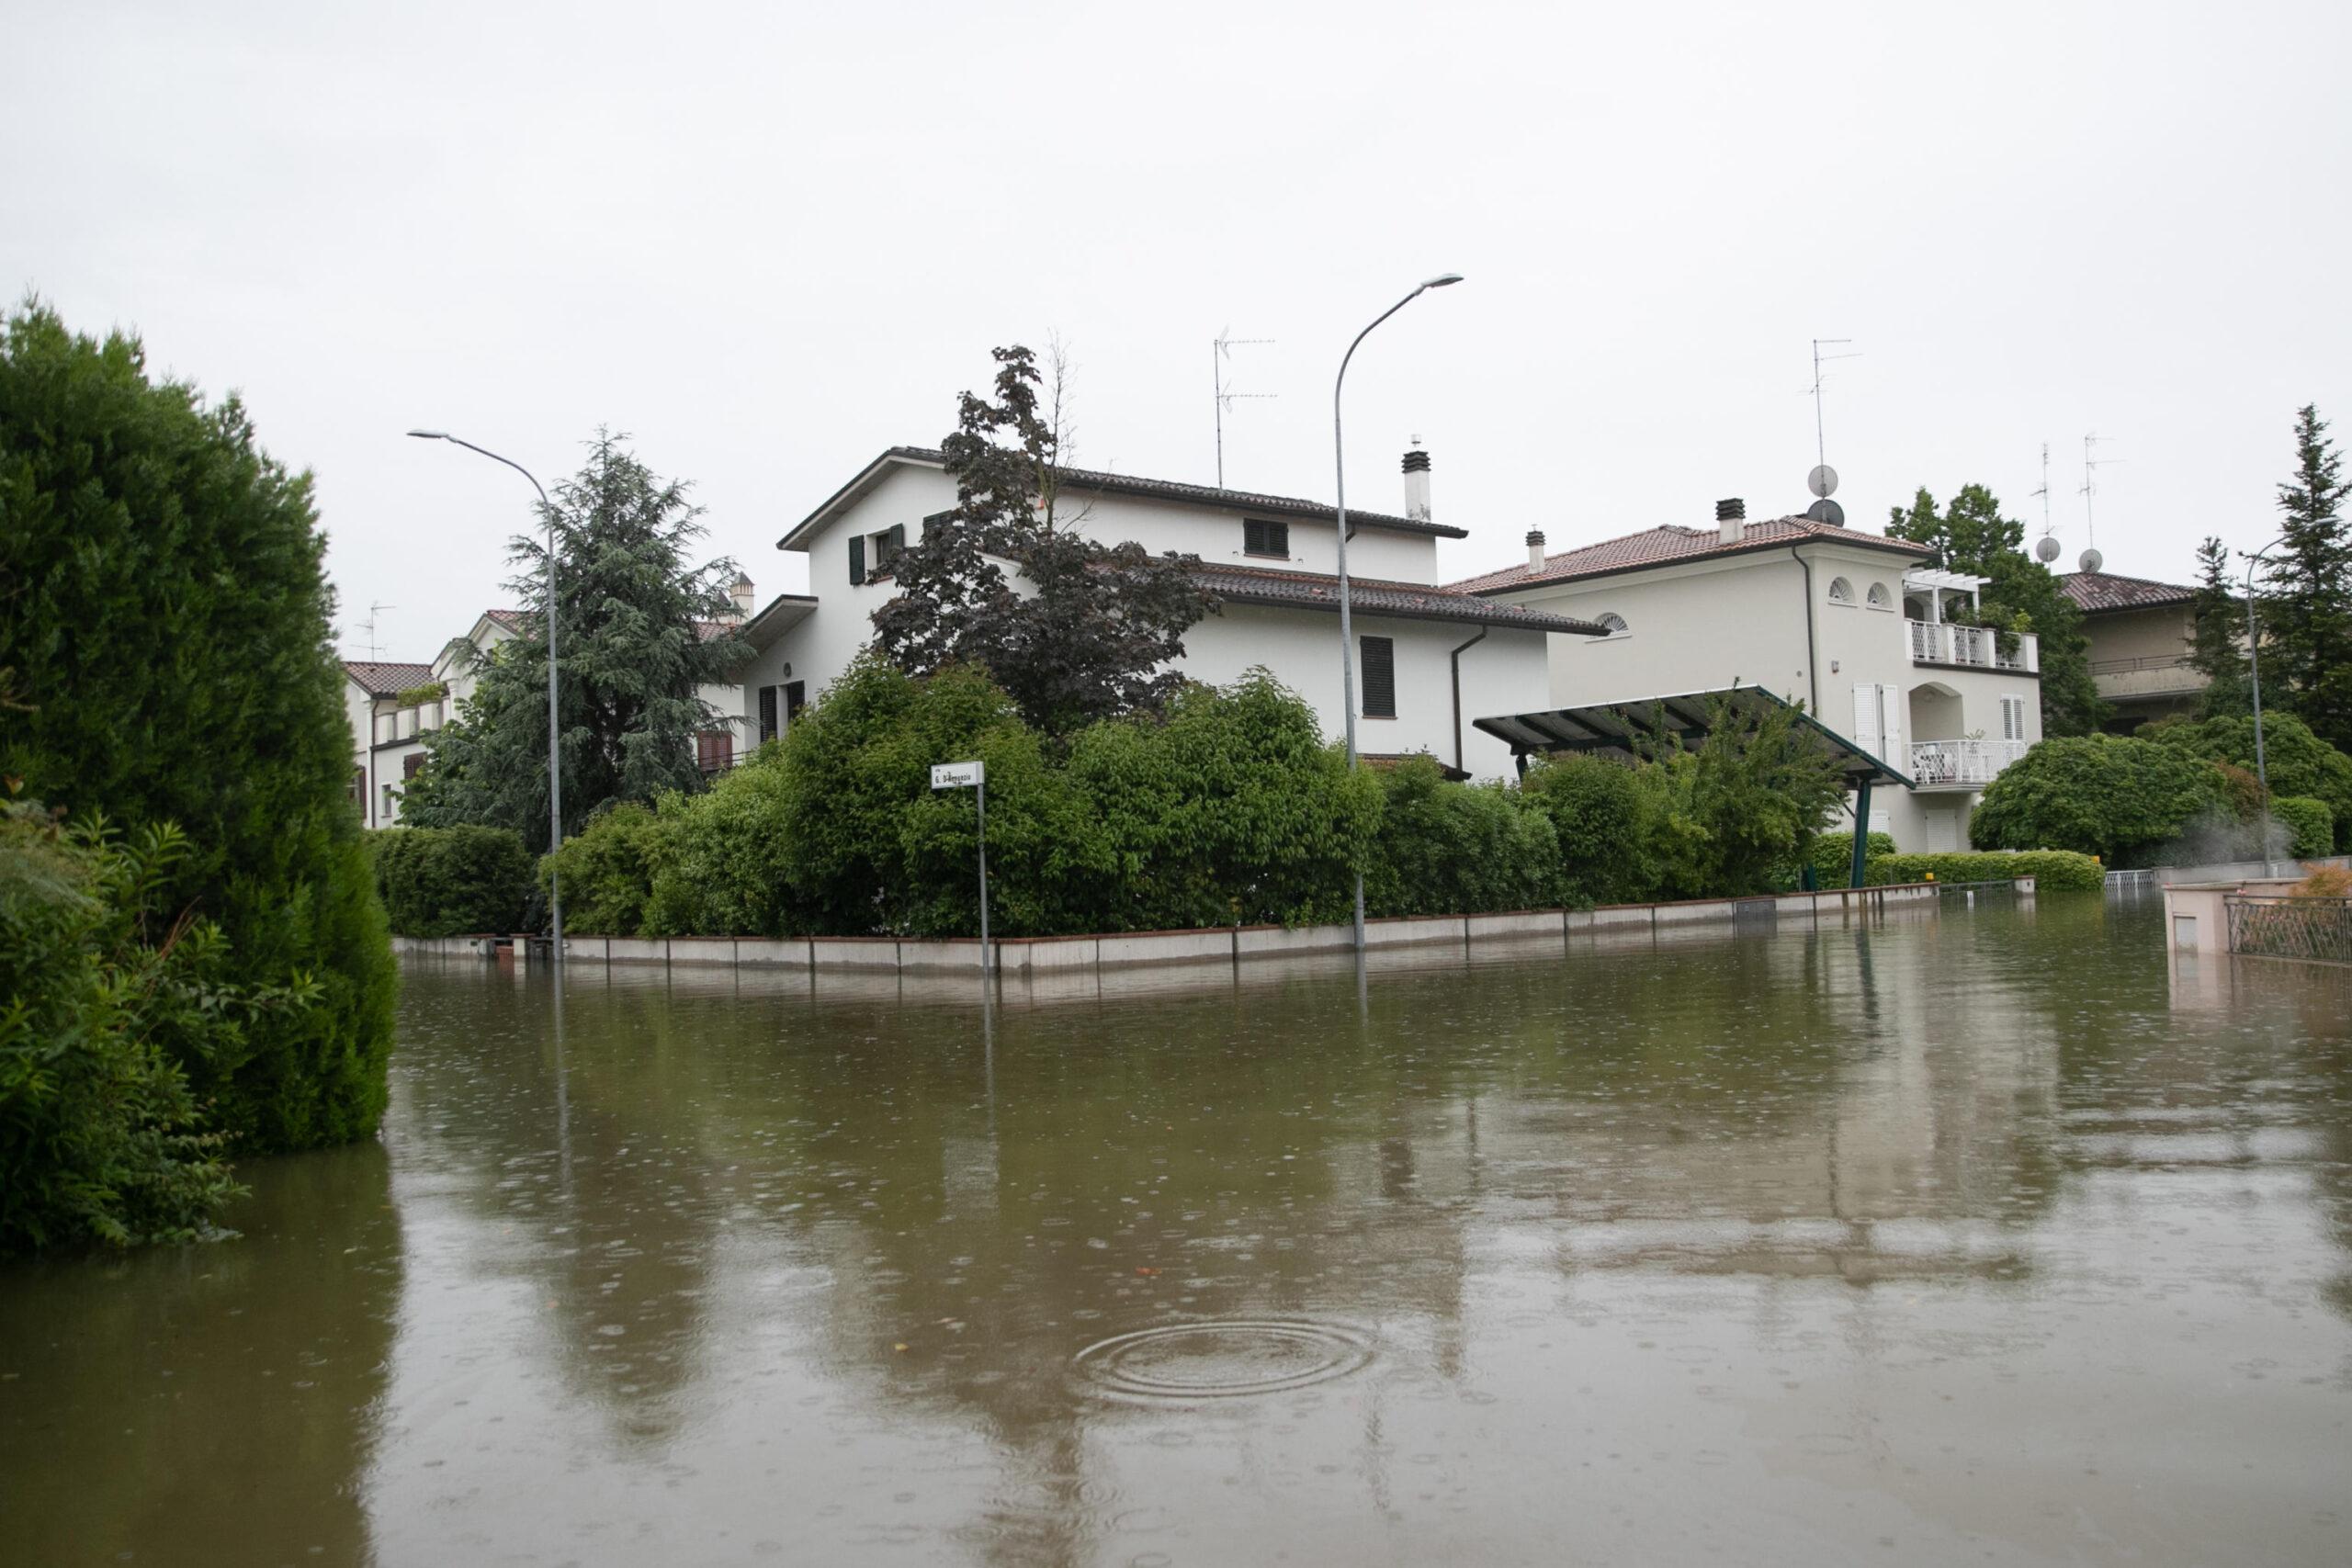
[(220, 1398)]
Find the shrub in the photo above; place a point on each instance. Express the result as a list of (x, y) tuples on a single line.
[(1833, 856), (2054, 871), (2327, 882), (2097, 794), (1602, 812), (452, 881), (2299, 763), (2310, 823), (608, 869), (107, 996), (1448, 849), (166, 602)]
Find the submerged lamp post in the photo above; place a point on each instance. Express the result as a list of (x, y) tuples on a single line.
[(1339, 458), (972, 775), (2253, 670), (555, 761)]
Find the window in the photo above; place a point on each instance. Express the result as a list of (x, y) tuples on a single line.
[(1840, 590), (795, 697), (2012, 719), (392, 804), (870, 555), (1259, 537), (1614, 623), (1879, 598), (359, 785), (715, 751), (767, 714), (1379, 676)]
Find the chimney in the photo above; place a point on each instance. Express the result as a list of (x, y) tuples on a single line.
[(742, 594), (1417, 483), (1535, 549), (1731, 519)]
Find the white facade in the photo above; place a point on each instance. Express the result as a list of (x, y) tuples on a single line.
[(1853, 626), (804, 644)]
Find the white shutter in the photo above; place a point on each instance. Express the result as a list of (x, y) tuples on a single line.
[(2012, 719), (1866, 716), (1896, 755)]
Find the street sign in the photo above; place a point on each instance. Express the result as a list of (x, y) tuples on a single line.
[(959, 775)]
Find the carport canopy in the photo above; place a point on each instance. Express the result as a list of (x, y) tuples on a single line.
[(1625, 726)]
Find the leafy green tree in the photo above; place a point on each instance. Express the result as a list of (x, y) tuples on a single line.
[(1090, 630), (638, 632), (1972, 535), (108, 995), (1601, 810), (2217, 637), (2307, 610), (166, 612), (2100, 795), (1743, 803), (609, 867)]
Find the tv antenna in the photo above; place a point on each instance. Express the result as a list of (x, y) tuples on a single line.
[(2092, 463), (368, 626), (1225, 393), (1820, 442), (2045, 548)]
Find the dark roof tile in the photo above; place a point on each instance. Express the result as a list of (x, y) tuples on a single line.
[(1671, 543), (2100, 590)]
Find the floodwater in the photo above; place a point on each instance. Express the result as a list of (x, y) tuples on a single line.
[(1963, 1238)]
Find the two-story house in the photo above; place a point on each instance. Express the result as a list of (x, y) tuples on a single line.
[(388, 733), (1855, 626), (2139, 631), (1429, 659)]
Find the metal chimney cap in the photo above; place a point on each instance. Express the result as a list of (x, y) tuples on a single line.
[(1732, 510)]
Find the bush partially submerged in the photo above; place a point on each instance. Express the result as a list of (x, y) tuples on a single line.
[(440, 881)]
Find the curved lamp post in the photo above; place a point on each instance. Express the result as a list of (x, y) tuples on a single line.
[(1339, 457), (2253, 668), (555, 763)]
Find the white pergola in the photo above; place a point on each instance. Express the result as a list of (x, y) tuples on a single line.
[(1934, 584)]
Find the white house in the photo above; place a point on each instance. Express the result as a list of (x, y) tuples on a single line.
[(388, 735), (1856, 625), (1429, 659)]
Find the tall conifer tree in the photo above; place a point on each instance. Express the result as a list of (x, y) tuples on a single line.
[(2307, 607)]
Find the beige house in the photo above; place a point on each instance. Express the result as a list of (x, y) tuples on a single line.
[(1856, 626), (2139, 632)]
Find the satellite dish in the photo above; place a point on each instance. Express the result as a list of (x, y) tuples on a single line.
[(1822, 482), (2092, 561), (2046, 548), (1827, 511)]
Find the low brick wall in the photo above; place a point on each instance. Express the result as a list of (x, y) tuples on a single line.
[(1073, 955)]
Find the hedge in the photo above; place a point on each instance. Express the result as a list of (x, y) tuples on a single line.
[(2054, 871), (1833, 856), (2312, 822), (452, 881)]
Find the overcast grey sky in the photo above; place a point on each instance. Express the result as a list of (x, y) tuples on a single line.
[(769, 240)]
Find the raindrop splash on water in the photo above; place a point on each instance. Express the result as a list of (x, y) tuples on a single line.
[(1220, 1360)]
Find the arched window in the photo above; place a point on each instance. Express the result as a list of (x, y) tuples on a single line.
[(1612, 622), (1840, 590), (1879, 597)]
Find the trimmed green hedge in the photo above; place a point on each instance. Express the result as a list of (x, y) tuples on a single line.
[(1833, 856), (2054, 871), (452, 881), (2312, 822)]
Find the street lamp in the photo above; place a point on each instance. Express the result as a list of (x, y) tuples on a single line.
[(1347, 634), (2254, 667), (555, 762)]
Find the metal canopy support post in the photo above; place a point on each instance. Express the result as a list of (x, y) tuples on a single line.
[(1862, 832)]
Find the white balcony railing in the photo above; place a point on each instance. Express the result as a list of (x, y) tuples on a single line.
[(1960, 762), (1942, 643)]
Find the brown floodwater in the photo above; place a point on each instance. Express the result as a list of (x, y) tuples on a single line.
[(1979, 1237)]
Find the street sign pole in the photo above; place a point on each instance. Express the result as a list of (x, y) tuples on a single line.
[(973, 777)]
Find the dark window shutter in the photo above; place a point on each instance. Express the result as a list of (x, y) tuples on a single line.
[(897, 541), (856, 558), (1379, 677), (768, 713), (1278, 538), (411, 764), (1259, 537), (795, 697)]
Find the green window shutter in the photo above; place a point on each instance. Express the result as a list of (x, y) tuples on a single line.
[(1379, 677), (898, 539), (856, 558)]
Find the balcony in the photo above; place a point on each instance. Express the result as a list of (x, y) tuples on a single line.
[(2153, 677), (1978, 647), (1961, 764)]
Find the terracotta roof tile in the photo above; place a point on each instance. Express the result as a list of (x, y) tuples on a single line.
[(1671, 543), (1376, 596), (2098, 591), (379, 679)]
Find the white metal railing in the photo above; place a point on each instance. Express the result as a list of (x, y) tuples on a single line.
[(1934, 642), (1961, 761)]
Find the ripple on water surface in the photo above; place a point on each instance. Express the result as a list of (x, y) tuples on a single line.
[(1186, 1361)]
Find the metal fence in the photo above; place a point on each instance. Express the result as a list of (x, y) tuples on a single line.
[(2286, 927)]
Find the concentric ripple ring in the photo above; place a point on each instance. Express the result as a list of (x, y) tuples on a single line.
[(1226, 1360)]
